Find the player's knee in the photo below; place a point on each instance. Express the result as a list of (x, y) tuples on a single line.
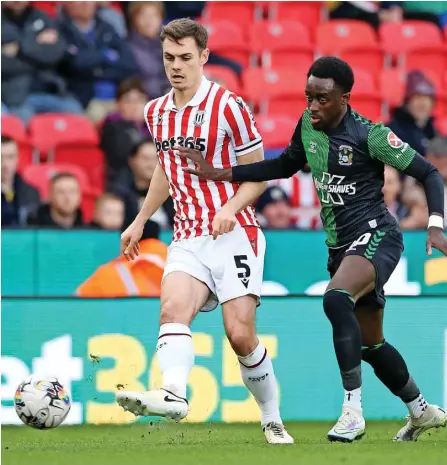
[(243, 340), (335, 303), (175, 311)]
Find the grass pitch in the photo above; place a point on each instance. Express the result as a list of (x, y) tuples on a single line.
[(214, 444)]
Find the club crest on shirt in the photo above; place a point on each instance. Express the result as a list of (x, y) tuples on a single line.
[(345, 155), (160, 118), (199, 118)]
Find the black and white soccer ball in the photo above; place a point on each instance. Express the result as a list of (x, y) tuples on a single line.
[(42, 403)]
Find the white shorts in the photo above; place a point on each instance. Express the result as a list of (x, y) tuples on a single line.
[(228, 265)]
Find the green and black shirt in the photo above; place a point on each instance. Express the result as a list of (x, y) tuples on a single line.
[(347, 165)]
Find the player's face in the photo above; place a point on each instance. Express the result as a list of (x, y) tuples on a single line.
[(183, 62), (143, 164), (325, 102), (9, 161), (110, 214), (65, 196)]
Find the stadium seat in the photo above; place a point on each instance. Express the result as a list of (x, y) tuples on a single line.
[(361, 58), (281, 43), (276, 130), (50, 129), (433, 59), (85, 156), (13, 128), (442, 126), (369, 106), (399, 38), (440, 109), (363, 82), (240, 13), (341, 34), (227, 39), (307, 13), (40, 175), (260, 84), (88, 205), (50, 8), (392, 86), (224, 76), (291, 106)]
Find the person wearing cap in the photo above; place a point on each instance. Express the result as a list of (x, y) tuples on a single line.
[(413, 122), (274, 209)]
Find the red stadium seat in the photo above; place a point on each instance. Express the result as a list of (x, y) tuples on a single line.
[(224, 76), (50, 8), (227, 39), (239, 13), (88, 205), (442, 126), (369, 106), (292, 106), (342, 34), (392, 86), (363, 82), (307, 13), (40, 175), (440, 109), (50, 129), (360, 58), (260, 84), (397, 38), (433, 59), (281, 43), (87, 157), (276, 131), (13, 128)]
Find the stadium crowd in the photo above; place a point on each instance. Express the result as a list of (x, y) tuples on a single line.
[(76, 76)]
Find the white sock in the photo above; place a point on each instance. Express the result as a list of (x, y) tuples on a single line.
[(417, 406), (259, 377), (353, 399), (175, 353)]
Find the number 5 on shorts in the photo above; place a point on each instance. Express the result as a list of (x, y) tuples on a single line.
[(240, 265)]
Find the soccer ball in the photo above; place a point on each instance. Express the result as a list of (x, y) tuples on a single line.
[(42, 403)]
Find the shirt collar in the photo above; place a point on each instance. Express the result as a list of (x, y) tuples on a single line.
[(197, 99)]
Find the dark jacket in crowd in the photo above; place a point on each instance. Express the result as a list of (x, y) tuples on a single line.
[(404, 126), (125, 188), (42, 218), (26, 201), (98, 56), (118, 139), (33, 67)]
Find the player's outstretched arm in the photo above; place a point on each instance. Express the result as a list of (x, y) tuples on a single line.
[(384, 145), (156, 195)]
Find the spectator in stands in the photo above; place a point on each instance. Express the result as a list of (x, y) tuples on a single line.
[(114, 17), (62, 210), (19, 199), (437, 154), (146, 19), (413, 121), (109, 213), (122, 130), (97, 59), (132, 184), (274, 209), (32, 47), (391, 189)]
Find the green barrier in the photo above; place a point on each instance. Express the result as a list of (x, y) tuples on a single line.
[(58, 337), (54, 263)]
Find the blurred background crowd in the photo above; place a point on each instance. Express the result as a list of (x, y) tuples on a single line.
[(75, 77)]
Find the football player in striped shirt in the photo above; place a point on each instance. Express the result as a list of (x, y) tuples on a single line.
[(217, 253)]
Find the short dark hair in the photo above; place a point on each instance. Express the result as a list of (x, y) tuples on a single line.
[(130, 84), (185, 27), (63, 175), (7, 139), (333, 68), (136, 148)]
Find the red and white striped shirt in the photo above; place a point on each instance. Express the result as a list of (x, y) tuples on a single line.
[(219, 124), (304, 200)]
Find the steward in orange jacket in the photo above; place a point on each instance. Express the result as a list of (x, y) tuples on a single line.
[(120, 278)]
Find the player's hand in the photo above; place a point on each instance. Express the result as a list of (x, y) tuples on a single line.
[(224, 222), (129, 240), (202, 168), (436, 239)]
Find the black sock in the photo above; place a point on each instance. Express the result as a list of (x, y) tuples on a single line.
[(390, 367), (339, 308)]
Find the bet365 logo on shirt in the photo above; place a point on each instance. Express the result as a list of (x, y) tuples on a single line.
[(198, 143), (331, 188)]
